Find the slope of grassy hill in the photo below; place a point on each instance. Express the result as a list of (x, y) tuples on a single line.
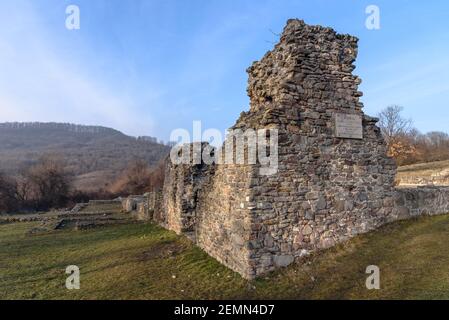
[(436, 173), (143, 261), (95, 155)]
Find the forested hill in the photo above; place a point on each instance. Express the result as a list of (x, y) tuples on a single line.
[(94, 154)]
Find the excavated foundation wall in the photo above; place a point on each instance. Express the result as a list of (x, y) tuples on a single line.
[(334, 180)]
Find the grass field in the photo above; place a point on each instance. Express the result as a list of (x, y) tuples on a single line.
[(425, 168), (143, 261)]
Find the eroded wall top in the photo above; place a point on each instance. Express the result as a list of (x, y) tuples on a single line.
[(309, 70)]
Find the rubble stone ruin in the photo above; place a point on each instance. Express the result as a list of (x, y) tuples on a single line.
[(334, 179)]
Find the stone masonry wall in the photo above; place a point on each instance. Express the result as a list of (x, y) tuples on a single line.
[(421, 201), (204, 202), (327, 188)]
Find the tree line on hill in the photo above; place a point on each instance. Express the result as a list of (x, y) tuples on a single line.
[(49, 185), (406, 144)]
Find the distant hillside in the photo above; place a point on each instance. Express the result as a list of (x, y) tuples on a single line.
[(95, 155)]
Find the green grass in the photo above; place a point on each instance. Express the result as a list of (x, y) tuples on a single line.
[(143, 261)]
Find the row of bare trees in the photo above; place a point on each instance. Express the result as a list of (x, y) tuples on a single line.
[(406, 144)]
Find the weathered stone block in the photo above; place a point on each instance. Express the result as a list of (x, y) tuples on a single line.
[(283, 260)]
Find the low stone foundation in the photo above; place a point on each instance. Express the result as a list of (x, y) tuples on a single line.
[(421, 201), (103, 202)]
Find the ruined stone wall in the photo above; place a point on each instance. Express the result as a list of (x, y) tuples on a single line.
[(204, 202), (156, 206), (131, 203), (181, 187), (223, 220), (328, 187)]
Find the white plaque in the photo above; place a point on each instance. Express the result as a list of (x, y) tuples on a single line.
[(348, 126)]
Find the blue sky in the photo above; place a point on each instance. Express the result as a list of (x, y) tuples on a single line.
[(148, 67)]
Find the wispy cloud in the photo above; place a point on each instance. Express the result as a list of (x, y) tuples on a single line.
[(38, 84)]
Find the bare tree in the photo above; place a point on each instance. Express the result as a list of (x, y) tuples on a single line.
[(47, 183), (436, 145), (139, 177), (135, 179), (406, 144), (398, 133), (392, 124), (157, 176), (8, 192), (438, 139)]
